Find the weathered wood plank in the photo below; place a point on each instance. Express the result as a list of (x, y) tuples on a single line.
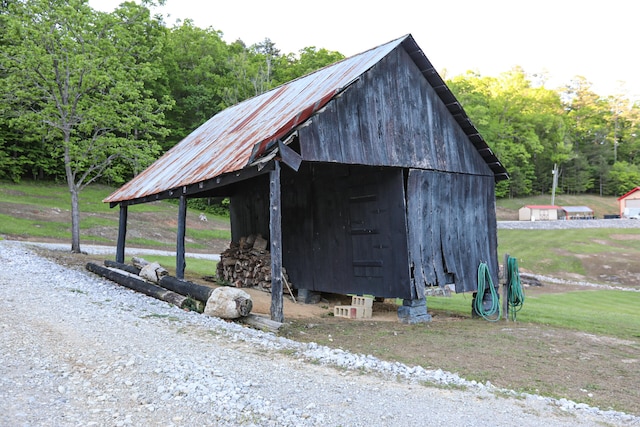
[(122, 233), (391, 116), (180, 249), (275, 231)]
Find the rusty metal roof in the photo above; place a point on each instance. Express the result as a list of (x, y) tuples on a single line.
[(238, 135)]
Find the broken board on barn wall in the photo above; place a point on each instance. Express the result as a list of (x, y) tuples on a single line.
[(452, 229)]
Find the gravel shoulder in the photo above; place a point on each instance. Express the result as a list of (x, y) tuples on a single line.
[(76, 349)]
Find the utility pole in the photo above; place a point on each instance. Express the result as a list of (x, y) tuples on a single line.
[(554, 172)]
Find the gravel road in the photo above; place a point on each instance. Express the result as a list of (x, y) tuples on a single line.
[(78, 350)]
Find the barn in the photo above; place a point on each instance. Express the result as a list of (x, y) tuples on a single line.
[(366, 177), (630, 203)]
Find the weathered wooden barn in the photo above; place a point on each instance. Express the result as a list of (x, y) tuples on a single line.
[(386, 186)]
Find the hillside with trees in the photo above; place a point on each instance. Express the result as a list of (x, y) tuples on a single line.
[(88, 96)]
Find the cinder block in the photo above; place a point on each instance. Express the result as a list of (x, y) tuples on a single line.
[(366, 302), (341, 311), (352, 312)]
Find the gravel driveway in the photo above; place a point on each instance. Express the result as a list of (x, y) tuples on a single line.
[(78, 350)]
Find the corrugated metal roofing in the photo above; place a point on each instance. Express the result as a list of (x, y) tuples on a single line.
[(233, 138), (576, 209), (542, 207)]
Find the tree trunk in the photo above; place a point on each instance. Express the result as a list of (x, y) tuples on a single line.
[(75, 220), (75, 199)]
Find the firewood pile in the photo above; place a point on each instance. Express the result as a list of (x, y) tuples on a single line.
[(247, 264)]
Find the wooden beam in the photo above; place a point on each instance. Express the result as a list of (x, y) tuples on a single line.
[(275, 230), (289, 156), (182, 226), (122, 234)]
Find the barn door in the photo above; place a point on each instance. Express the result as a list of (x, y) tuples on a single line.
[(377, 231)]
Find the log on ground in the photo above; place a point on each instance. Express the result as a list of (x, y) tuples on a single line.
[(260, 322), (120, 266), (186, 288), (140, 285)]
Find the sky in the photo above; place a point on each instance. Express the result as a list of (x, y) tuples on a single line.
[(559, 39)]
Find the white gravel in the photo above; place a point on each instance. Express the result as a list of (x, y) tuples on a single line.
[(563, 225), (78, 350)]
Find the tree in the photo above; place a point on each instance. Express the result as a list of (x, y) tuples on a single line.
[(309, 60), (588, 119), (521, 124), (78, 80), (197, 73)]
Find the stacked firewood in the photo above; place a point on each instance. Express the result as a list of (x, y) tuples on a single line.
[(247, 264)]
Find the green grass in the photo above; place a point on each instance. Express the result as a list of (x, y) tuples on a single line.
[(607, 312), (208, 234), (41, 197), (42, 194), (600, 205), (27, 227), (195, 266), (552, 251)]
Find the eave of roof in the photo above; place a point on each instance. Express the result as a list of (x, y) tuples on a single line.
[(628, 193)]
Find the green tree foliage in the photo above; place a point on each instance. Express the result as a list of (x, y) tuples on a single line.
[(624, 177), (310, 59), (532, 128), (197, 71), (77, 80), (519, 123)]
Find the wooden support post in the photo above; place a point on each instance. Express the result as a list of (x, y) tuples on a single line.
[(275, 230), (505, 288), (122, 233), (182, 225)]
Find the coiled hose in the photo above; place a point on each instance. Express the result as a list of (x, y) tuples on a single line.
[(492, 312), (516, 292)]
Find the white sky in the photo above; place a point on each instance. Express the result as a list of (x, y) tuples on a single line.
[(562, 38)]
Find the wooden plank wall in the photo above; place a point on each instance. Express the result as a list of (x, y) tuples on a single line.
[(249, 208), (452, 228), (391, 117), (344, 229)]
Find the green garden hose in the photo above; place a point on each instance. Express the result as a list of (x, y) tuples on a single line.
[(491, 313), (516, 293)]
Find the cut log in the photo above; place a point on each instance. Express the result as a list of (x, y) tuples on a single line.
[(140, 285), (247, 264), (261, 322), (228, 303), (153, 272), (121, 266), (141, 263), (186, 288)]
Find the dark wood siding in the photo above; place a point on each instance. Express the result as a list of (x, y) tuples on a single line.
[(452, 229), (391, 116), (344, 230), (249, 208)]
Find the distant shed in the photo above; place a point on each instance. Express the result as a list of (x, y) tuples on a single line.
[(538, 213), (630, 203), (577, 212), (388, 187)]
